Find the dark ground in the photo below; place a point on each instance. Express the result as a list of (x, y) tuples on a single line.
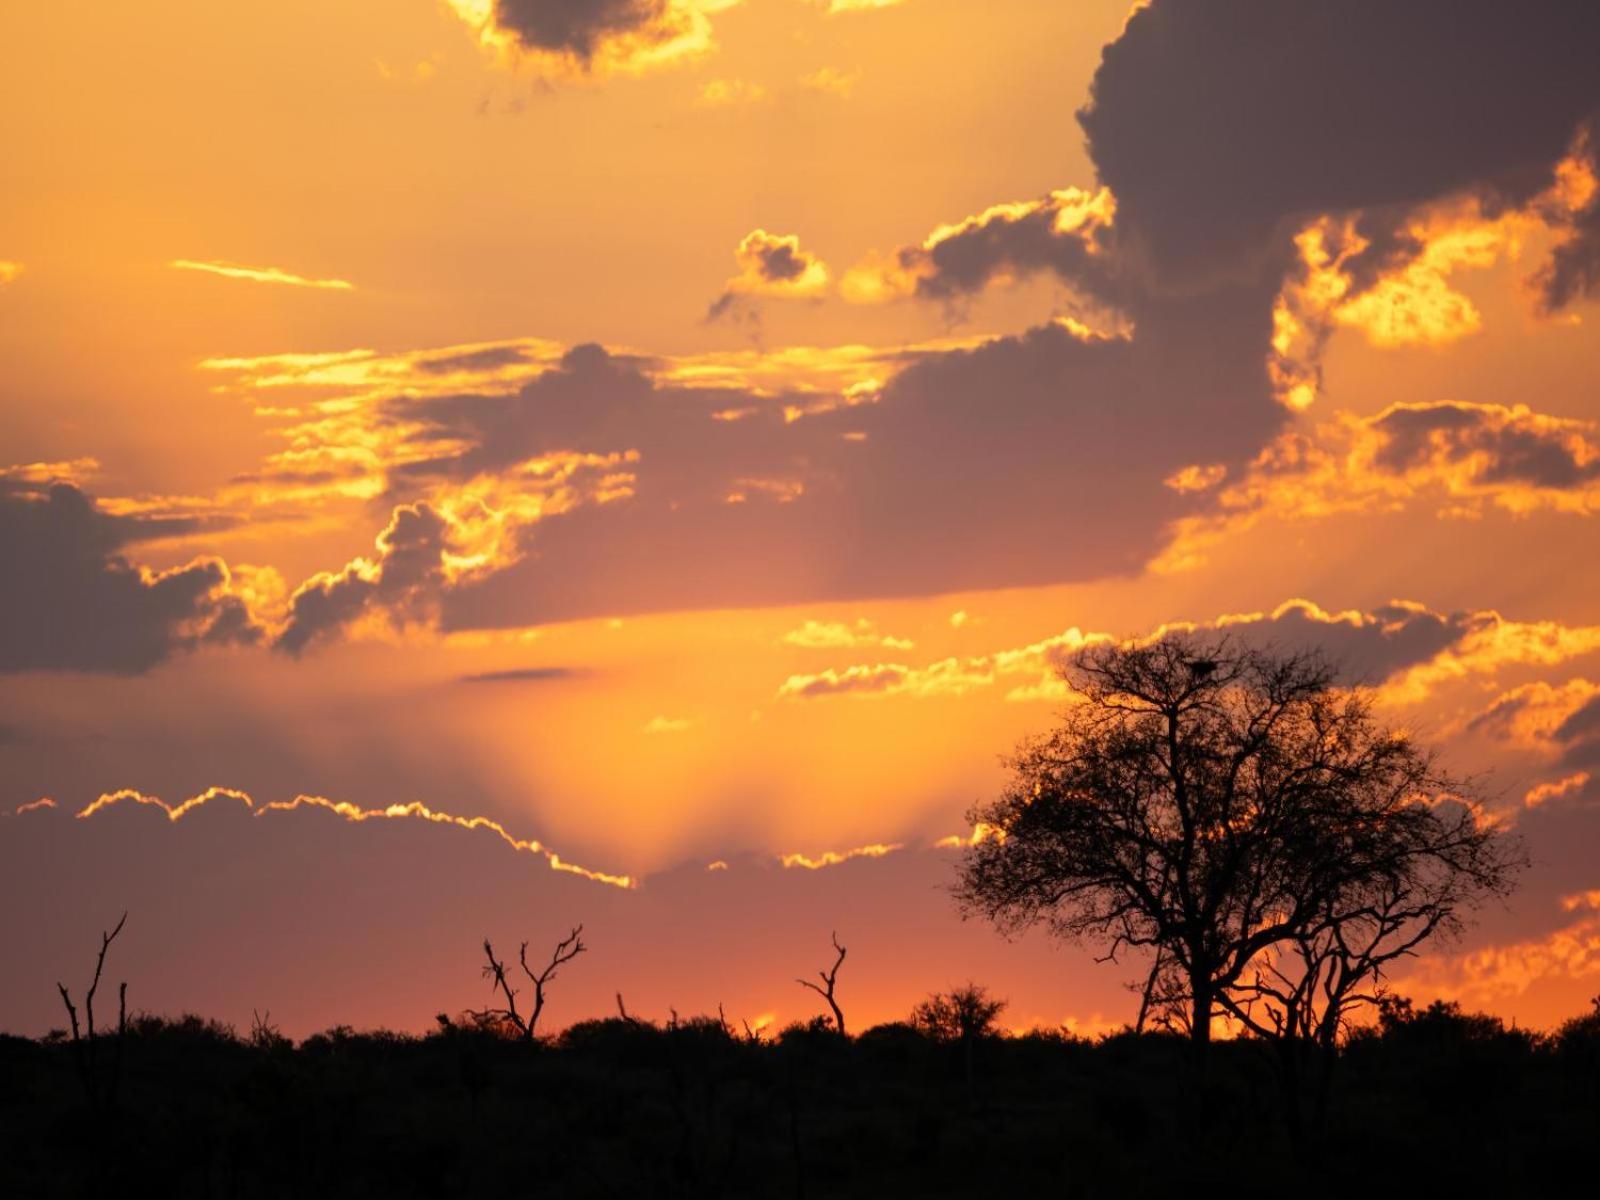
[(1454, 1104)]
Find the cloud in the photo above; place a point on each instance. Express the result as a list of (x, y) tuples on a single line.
[(1066, 232), (1404, 646), (1531, 714), (413, 811), (1491, 975), (260, 275), (833, 858), (566, 38), (994, 451), (1466, 457), (401, 585), (1563, 724), (1222, 126), (835, 7), (1573, 269), (1218, 133), (725, 93), (523, 675), (660, 725), (772, 265), (832, 81), (73, 602), (834, 635)]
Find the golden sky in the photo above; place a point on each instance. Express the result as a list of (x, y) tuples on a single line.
[(632, 436)]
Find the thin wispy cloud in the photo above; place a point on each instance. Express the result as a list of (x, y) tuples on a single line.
[(229, 270)]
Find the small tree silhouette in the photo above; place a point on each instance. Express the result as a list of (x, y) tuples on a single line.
[(567, 949), (85, 1049), (829, 979), (964, 1016), (961, 1014)]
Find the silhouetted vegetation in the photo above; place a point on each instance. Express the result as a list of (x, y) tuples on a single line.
[(1228, 811), (628, 1108), (1250, 825)]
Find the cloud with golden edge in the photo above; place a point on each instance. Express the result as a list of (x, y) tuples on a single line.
[(1529, 715), (836, 635), (981, 832), (833, 858), (1492, 644), (1491, 975), (568, 40), (771, 265), (43, 804), (1065, 232), (1556, 789), (950, 676), (1394, 285), (413, 811), (1464, 456), (228, 270), (74, 471), (1403, 648)]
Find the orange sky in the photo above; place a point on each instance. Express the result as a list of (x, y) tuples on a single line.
[(690, 432)]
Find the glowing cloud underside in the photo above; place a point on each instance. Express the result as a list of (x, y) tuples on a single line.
[(229, 270), (415, 810)]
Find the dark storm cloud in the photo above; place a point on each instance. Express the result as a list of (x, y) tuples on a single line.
[(579, 27), (405, 582), (72, 602), (1219, 124)]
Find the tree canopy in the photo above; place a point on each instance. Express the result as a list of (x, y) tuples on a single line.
[(1234, 813)]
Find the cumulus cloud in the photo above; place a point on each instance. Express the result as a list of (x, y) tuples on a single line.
[(592, 37), (74, 602), (1223, 126), (401, 585), (1066, 232), (771, 264)]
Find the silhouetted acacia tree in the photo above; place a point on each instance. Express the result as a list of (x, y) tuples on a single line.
[(567, 949), (1233, 811), (830, 979)]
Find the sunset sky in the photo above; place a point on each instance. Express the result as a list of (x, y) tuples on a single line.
[(472, 467)]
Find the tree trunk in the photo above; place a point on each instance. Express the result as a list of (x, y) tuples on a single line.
[(1200, 1015)]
